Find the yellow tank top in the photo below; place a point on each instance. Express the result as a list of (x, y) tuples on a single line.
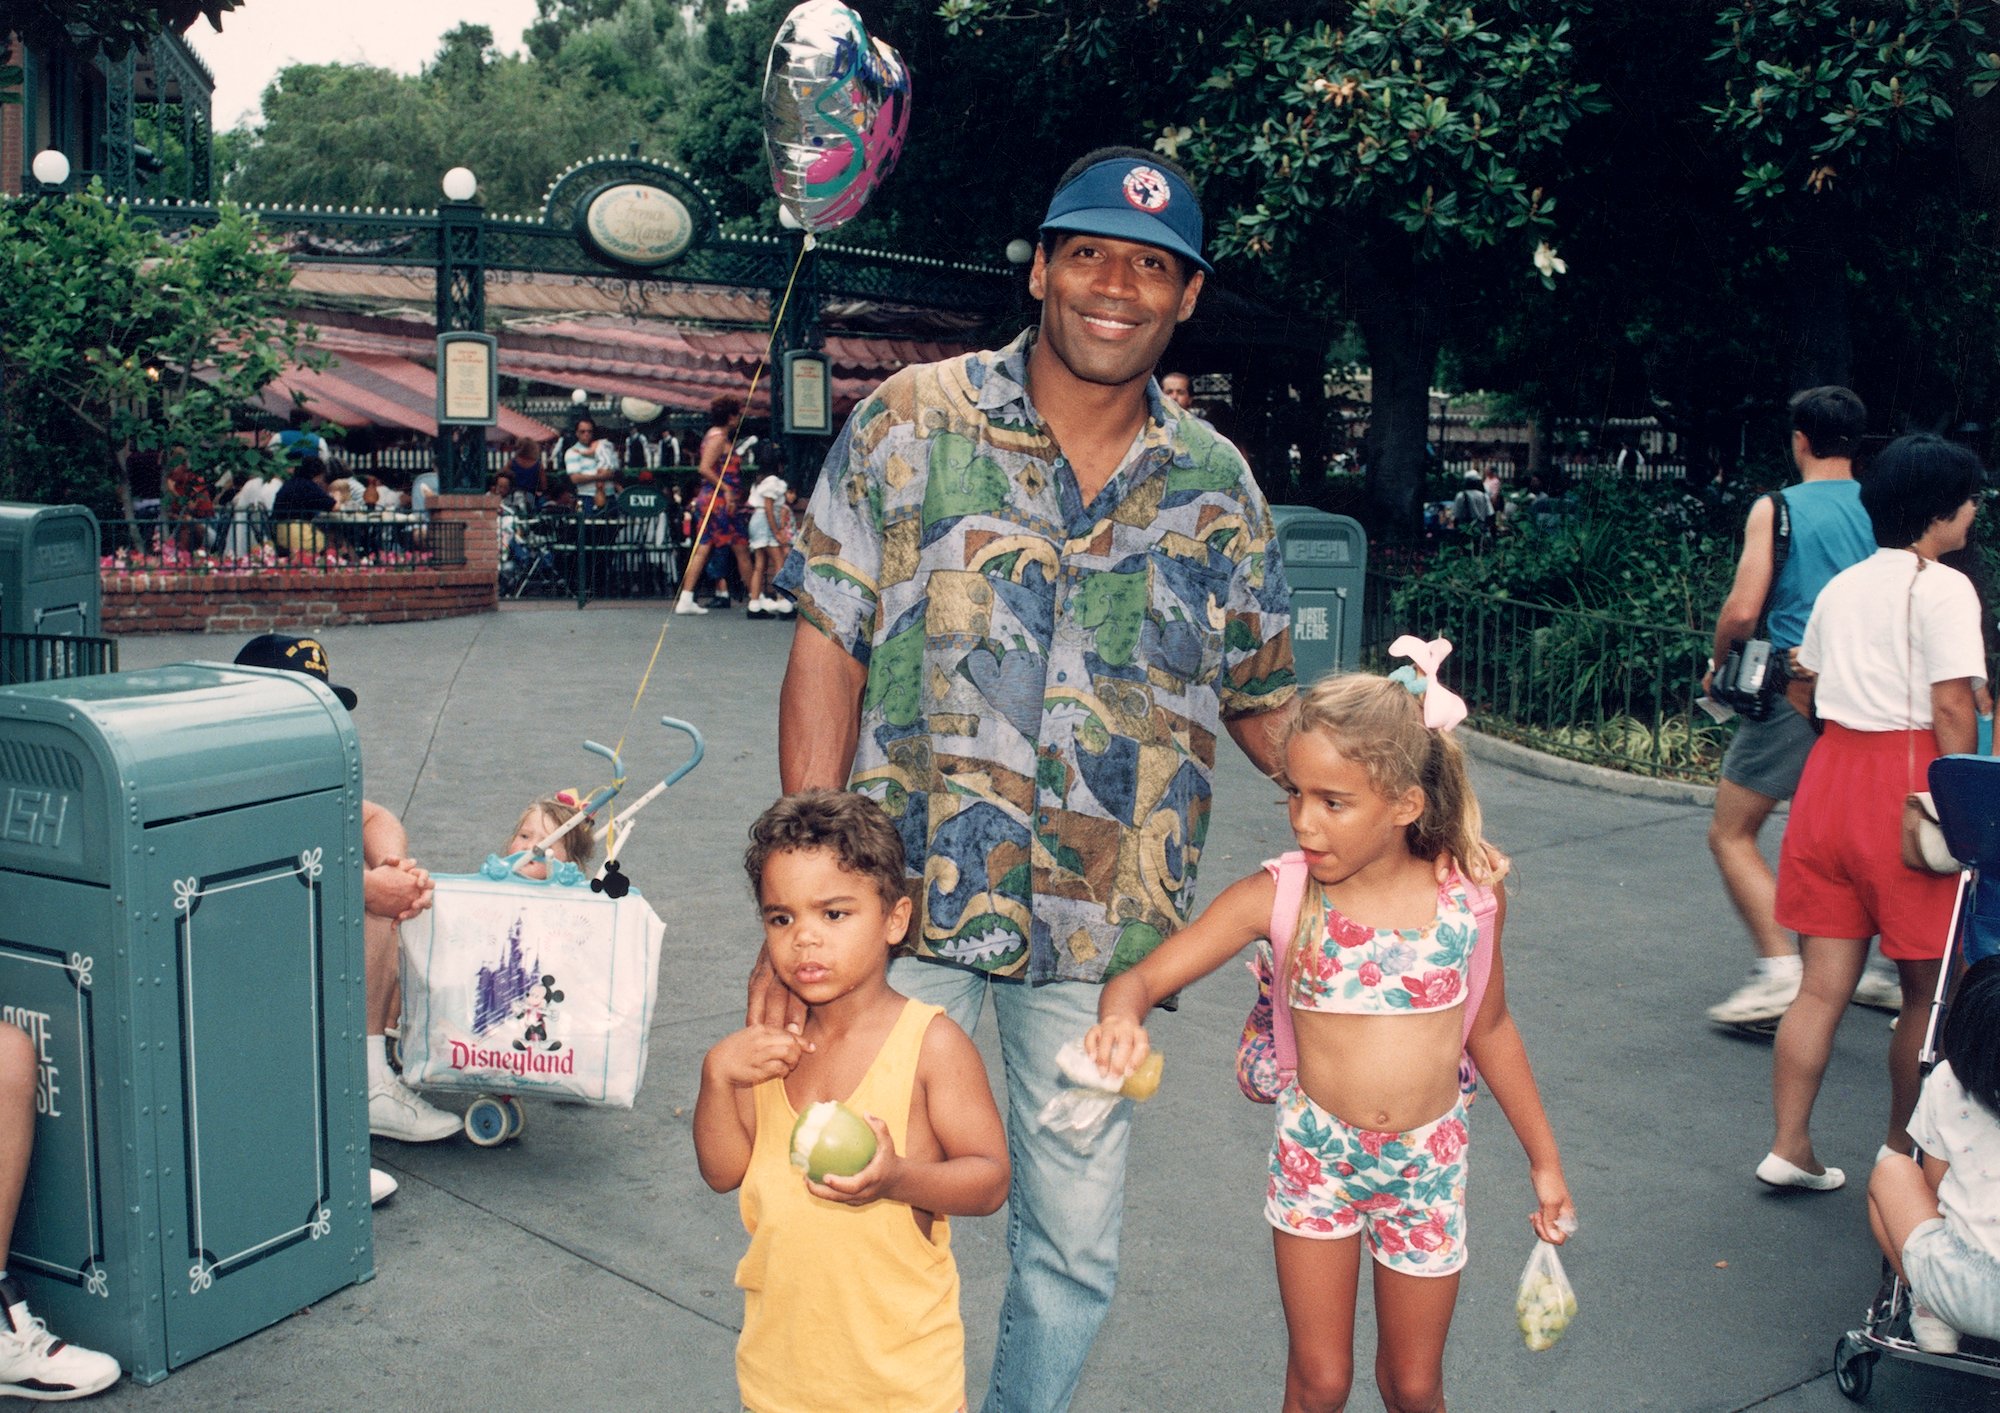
[(846, 1309)]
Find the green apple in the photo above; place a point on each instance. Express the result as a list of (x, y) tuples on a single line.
[(829, 1137)]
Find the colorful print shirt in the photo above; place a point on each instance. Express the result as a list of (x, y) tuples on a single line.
[(1356, 969), (1046, 679)]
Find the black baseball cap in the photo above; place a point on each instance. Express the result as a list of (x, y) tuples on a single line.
[(1130, 198), (281, 650)]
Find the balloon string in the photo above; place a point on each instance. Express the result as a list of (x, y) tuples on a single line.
[(770, 347)]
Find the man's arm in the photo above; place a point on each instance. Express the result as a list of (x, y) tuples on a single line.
[(1262, 738), (819, 712), (1738, 619)]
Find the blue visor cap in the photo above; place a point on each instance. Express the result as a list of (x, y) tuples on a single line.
[(1126, 198)]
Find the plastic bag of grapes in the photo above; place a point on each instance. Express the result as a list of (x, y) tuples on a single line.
[(1544, 1302)]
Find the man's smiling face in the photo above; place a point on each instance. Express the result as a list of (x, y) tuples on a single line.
[(1109, 307)]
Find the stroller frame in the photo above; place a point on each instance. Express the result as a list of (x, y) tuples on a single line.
[(1956, 788)]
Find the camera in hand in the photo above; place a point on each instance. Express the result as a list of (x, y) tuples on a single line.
[(1751, 679)]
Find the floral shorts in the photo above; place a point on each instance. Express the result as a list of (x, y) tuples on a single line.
[(1404, 1191)]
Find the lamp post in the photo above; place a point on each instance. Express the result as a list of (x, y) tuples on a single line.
[(461, 305)]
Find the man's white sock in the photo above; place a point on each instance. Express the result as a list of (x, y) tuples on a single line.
[(1781, 968), (378, 1061)]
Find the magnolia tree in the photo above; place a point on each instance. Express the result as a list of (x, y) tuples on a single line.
[(116, 340), (1833, 107)]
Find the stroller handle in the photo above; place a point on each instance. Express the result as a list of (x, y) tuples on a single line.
[(694, 735)]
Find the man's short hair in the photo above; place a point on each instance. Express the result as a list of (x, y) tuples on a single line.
[(1832, 418), (850, 826)]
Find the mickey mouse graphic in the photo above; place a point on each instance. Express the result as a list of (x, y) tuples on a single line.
[(535, 1008)]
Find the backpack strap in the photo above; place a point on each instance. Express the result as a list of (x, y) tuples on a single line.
[(1485, 902), (1290, 872)]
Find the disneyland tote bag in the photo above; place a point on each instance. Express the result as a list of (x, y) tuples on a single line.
[(525, 986)]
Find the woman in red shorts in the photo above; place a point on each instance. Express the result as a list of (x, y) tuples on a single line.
[(722, 488), (1895, 645)]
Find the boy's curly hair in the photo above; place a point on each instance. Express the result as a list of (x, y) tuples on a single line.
[(851, 826)]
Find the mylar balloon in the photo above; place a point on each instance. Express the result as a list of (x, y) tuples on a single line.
[(836, 106)]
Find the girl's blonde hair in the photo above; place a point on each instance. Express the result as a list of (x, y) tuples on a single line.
[(579, 845), (1379, 725)]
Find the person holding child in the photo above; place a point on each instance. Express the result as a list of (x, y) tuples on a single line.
[(1371, 1135), (1937, 1216), (850, 1291)]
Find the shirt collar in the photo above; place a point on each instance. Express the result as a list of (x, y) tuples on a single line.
[(1006, 390)]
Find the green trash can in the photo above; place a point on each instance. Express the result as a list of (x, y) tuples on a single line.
[(1326, 563), (180, 853), (48, 570)]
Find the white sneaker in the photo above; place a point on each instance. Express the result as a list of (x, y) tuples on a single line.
[(35, 1364), (397, 1111), (686, 604), (381, 1187), (1931, 1334), (778, 605), (1762, 998), (1880, 990)]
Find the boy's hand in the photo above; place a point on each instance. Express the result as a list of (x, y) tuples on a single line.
[(872, 1182), (1555, 1218), (755, 1054), (1117, 1045)]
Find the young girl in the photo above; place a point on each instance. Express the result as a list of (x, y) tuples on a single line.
[(1371, 1134), (1939, 1224), (542, 819)]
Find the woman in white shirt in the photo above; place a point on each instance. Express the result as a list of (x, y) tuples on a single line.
[(1894, 642)]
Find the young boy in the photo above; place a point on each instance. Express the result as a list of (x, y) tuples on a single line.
[(850, 1292)]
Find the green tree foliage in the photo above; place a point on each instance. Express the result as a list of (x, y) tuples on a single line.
[(1836, 109), (350, 135), (114, 339)]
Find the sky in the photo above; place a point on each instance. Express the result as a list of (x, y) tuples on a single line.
[(263, 36)]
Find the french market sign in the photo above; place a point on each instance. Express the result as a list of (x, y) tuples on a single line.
[(636, 224)]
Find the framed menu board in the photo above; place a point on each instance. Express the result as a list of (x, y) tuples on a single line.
[(808, 394), (468, 372)]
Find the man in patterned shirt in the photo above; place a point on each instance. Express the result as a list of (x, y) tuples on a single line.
[(1030, 591)]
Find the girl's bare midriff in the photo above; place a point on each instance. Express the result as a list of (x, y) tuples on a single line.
[(1387, 1073)]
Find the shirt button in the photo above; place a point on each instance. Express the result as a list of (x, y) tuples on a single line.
[(1062, 677)]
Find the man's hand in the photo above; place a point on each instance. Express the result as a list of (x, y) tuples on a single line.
[(771, 1001), (396, 888), (752, 1055)]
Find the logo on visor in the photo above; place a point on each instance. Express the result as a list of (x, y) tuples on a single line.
[(1146, 188)]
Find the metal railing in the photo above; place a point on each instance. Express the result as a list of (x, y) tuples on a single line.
[(585, 556), (37, 657), (1585, 686), (253, 544)]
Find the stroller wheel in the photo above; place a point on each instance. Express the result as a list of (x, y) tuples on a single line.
[(517, 1117), (1854, 1367), (486, 1122)]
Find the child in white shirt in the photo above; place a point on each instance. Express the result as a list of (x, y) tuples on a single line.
[(767, 550), (1939, 1224)]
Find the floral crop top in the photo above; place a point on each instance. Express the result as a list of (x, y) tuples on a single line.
[(1351, 969)]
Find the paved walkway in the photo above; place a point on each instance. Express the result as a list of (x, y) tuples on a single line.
[(587, 1265)]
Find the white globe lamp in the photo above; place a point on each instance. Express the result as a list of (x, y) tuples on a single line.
[(50, 167), (460, 185), (1019, 252)]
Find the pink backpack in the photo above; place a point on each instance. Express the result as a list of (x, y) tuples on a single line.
[(1267, 1056)]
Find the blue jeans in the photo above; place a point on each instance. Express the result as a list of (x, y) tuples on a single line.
[(1065, 1208)]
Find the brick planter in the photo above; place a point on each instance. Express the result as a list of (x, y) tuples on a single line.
[(156, 601)]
